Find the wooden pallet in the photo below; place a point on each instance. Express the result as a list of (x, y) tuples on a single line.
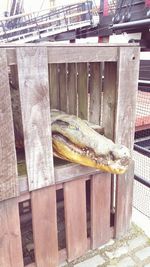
[(58, 77)]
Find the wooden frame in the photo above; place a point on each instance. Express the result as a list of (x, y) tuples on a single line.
[(58, 77)]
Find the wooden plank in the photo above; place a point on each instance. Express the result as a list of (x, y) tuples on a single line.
[(8, 169), (95, 92), (14, 76), (54, 86), (109, 98), (63, 87), (10, 235), (75, 218), (72, 54), (128, 70), (100, 209), (44, 222), (82, 88), (72, 88), (34, 95)]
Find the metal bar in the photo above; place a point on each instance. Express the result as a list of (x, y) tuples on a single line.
[(142, 180), (142, 150), (128, 25)]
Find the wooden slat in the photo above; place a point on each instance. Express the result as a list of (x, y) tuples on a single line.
[(128, 70), (82, 89), (63, 87), (34, 95), (72, 54), (100, 209), (54, 86), (95, 92), (10, 235), (75, 218), (44, 222), (72, 88), (14, 76), (8, 168), (109, 98)]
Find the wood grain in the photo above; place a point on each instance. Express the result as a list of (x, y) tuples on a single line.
[(72, 54), (72, 88), (8, 169), (63, 87), (44, 222), (95, 92), (109, 98), (10, 235), (75, 218), (54, 86), (82, 89), (34, 95), (128, 70), (100, 209)]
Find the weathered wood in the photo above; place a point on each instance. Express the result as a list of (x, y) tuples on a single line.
[(95, 92), (72, 88), (8, 169), (44, 222), (14, 76), (54, 86), (10, 235), (124, 197), (109, 98), (34, 95), (75, 218), (72, 54), (63, 87), (128, 69), (82, 89), (100, 209)]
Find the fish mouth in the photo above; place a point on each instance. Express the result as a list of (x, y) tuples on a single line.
[(64, 148)]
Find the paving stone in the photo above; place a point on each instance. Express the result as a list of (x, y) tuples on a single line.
[(137, 242), (109, 243), (126, 262), (117, 253), (93, 262), (143, 254)]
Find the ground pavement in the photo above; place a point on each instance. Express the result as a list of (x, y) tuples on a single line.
[(132, 250)]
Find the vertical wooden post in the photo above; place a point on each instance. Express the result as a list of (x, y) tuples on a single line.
[(95, 92), (100, 209), (10, 236), (8, 168), (72, 88), (63, 87), (35, 106), (82, 90), (44, 221), (75, 218), (128, 70), (54, 86)]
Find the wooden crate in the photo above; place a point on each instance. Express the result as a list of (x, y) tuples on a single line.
[(96, 82)]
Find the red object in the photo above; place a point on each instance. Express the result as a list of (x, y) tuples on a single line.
[(147, 3), (105, 11)]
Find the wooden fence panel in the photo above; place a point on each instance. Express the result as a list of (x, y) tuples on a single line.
[(72, 88), (54, 86), (44, 221), (100, 209), (95, 92), (75, 218), (128, 69), (10, 236), (82, 88), (8, 168), (63, 87), (34, 95)]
